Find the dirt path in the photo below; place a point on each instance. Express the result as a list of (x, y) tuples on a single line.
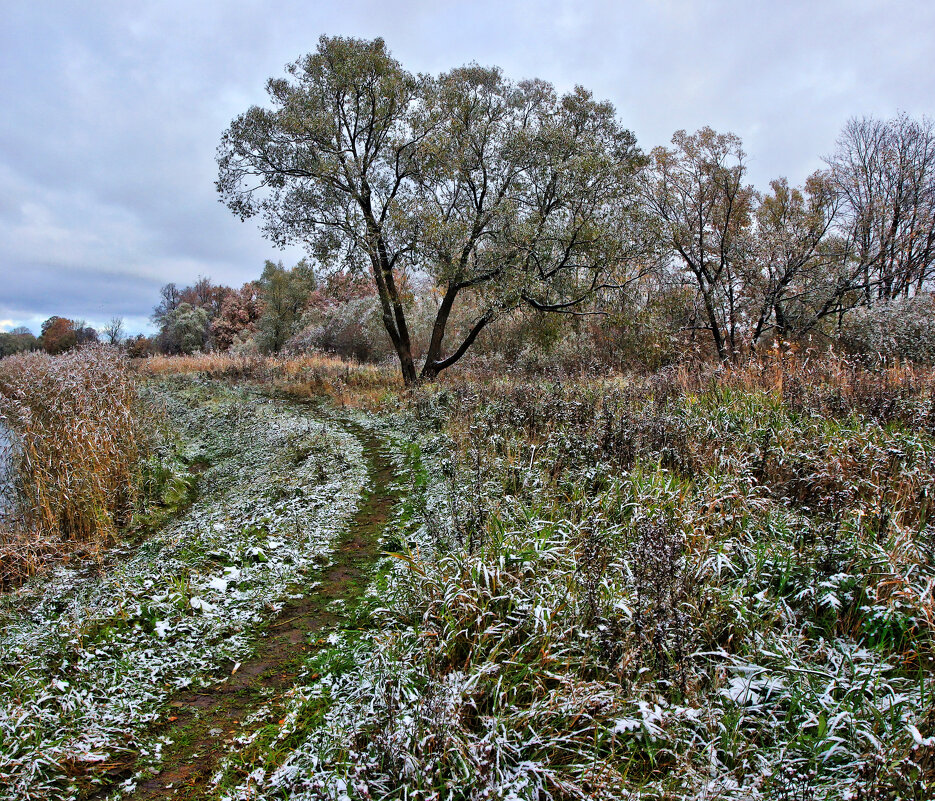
[(203, 724)]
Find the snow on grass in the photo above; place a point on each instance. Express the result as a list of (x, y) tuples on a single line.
[(88, 658), (655, 601)]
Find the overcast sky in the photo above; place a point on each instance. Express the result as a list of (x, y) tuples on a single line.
[(110, 112)]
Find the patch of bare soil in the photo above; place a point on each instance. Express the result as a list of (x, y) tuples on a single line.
[(203, 723)]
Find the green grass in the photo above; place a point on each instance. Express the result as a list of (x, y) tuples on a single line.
[(666, 588)]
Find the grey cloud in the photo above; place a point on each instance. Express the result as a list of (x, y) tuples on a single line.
[(111, 112), (87, 294)]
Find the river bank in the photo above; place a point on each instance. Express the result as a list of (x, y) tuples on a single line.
[(93, 656)]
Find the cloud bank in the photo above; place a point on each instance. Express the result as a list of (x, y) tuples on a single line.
[(113, 111)]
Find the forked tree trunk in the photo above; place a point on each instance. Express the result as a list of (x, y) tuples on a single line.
[(394, 316)]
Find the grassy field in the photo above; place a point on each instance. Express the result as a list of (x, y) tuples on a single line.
[(699, 584), (251, 496)]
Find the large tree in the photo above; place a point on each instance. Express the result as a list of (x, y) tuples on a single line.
[(522, 198), (794, 278), (58, 335), (884, 172), (283, 295), (186, 329), (498, 190), (114, 331), (703, 211), (239, 315)]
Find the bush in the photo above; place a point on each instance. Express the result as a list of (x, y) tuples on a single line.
[(901, 329), (351, 329)]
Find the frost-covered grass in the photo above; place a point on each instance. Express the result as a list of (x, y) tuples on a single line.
[(684, 587), (89, 656)]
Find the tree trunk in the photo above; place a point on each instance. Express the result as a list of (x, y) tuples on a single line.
[(391, 320), (715, 325), (394, 316), (406, 364), (438, 332), (781, 323)]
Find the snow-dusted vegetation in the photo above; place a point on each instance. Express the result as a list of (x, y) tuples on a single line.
[(703, 583), (91, 654), (709, 584)]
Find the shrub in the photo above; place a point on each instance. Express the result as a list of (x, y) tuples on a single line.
[(903, 329), (351, 329)]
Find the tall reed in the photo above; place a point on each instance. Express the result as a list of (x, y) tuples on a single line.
[(307, 375), (79, 434)]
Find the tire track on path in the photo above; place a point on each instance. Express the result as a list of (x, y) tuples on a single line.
[(205, 722)]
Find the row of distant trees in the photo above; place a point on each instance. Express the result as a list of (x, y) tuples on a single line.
[(265, 315), (17, 341), (59, 334)]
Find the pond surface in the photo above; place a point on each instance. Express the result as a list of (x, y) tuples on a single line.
[(6, 470)]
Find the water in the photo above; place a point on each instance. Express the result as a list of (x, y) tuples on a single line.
[(6, 470)]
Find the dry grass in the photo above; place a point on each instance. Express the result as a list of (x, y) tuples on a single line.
[(80, 433), (822, 383), (216, 365), (312, 375)]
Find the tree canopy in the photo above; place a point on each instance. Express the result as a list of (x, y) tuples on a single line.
[(502, 192), (466, 197)]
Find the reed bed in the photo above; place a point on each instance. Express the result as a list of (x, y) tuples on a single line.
[(215, 365), (80, 432), (347, 383)]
